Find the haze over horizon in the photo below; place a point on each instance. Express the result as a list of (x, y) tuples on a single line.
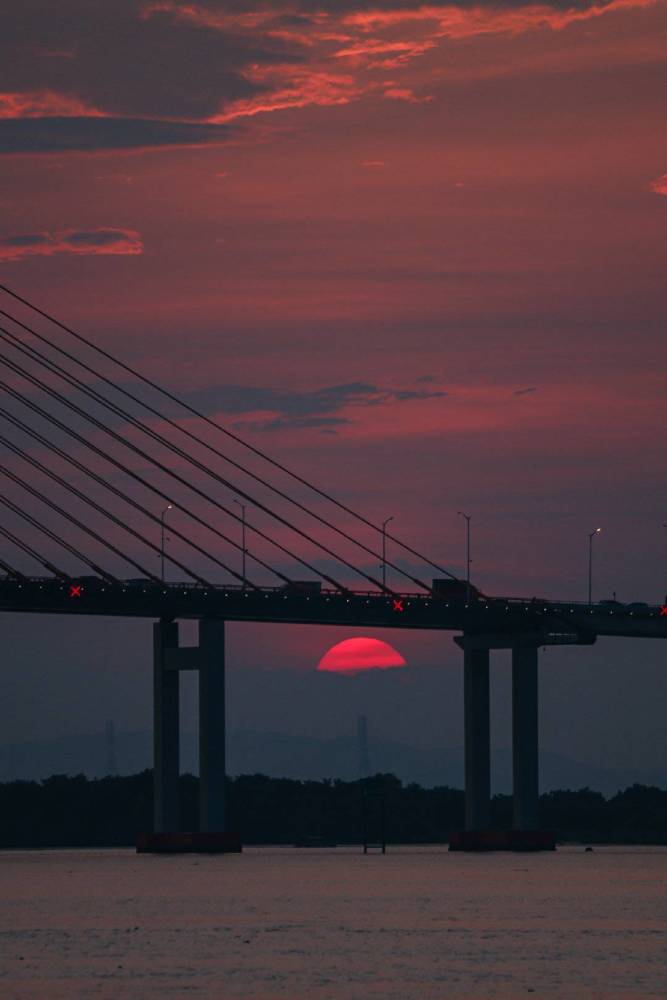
[(417, 253)]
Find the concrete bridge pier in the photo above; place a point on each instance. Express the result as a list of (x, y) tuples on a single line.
[(212, 742), (525, 748), (208, 657), (166, 730), (477, 747), (525, 834)]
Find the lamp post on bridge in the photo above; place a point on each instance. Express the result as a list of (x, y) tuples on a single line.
[(162, 517), (243, 545), (591, 536), (467, 519), (384, 549)]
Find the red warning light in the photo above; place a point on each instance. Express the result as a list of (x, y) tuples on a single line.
[(398, 604), (663, 611), (75, 590)]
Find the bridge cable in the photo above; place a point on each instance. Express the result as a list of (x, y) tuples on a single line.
[(33, 552), (10, 571), (135, 448), (70, 379), (167, 420), (56, 538), (221, 428), (49, 418), (102, 510), (53, 420), (74, 520), (113, 489)]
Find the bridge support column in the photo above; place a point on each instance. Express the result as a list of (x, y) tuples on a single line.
[(525, 835), (209, 659), (166, 735), (477, 750), (212, 734), (525, 751)]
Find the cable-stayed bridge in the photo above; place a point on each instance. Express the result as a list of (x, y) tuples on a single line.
[(112, 487)]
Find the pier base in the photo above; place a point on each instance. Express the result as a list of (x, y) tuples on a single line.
[(502, 840), (188, 843)]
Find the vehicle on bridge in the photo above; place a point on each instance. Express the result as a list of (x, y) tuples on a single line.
[(312, 587), (456, 590)]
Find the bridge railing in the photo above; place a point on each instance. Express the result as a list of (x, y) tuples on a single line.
[(529, 605)]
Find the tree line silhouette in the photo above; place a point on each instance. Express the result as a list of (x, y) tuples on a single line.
[(63, 811)]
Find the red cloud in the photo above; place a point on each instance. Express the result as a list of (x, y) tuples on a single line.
[(292, 87), (660, 185), (95, 242), (44, 104), (284, 56)]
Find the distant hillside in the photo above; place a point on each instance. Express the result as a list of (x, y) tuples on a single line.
[(286, 756)]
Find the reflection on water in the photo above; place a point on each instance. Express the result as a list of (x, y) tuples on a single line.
[(334, 925)]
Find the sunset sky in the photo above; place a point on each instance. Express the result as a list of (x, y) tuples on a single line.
[(415, 251)]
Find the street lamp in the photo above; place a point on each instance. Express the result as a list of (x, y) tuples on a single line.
[(591, 536), (243, 548), (467, 517), (384, 550), (162, 517)]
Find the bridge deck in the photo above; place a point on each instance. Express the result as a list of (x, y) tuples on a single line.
[(552, 621)]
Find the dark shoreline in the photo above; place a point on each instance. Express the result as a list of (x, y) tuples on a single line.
[(75, 812)]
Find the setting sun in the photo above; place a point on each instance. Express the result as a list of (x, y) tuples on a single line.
[(352, 656)]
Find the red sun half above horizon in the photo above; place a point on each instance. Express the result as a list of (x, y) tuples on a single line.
[(354, 656)]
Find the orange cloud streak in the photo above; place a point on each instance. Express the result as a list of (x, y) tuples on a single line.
[(45, 104), (88, 242), (346, 37), (295, 87)]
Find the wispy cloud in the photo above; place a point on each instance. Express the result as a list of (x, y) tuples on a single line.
[(189, 67), (323, 409), (94, 242), (44, 104)]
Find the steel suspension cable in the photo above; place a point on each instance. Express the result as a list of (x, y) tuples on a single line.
[(56, 538), (10, 571), (102, 510), (75, 520), (224, 430), (32, 552), (13, 366), (184, 430), (109, 486), (49, 418), (119, 411)]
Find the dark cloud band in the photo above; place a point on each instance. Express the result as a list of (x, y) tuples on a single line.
[(58, 135)]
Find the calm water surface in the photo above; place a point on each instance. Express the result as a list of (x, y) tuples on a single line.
[(333, 925)]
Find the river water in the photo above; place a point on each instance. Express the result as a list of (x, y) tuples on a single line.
[(334, 925)]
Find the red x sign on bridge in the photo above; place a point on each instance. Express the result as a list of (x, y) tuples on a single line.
[(75, 590), (398, 604), (663, 611)]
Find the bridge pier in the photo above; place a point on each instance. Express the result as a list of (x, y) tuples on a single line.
[(166, 731), (525, 833), (208, 657), (212, 742), (525, 748), (477, 746)]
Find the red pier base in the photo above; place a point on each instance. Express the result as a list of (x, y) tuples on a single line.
[(502, 840), (188, 843)]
